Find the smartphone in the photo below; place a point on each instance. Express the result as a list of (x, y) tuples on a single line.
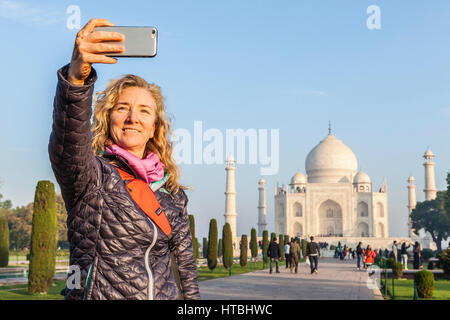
[(140, 42)]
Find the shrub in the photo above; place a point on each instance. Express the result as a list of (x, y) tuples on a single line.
[(333, 247), (265, 245), (444, 262), (194, 242), (4, 241), (397, 270), (43, 239), (212, 245), (390, 263), (426, 254), (220, 248), (425, 283), (304, 243), (287, 239), (227, 242), (205, 248), (254, 243), (378, 261), (244, 245), (281, 243), (272, 236)]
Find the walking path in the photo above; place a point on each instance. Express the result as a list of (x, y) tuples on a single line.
[(336, 280)]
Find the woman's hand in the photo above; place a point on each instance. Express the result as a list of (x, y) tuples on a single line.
[(90, 48)]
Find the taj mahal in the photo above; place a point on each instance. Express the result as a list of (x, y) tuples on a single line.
[(333, 201)]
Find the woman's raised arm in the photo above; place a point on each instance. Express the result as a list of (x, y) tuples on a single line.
[(70, 149)]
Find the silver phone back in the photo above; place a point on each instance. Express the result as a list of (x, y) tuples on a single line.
[(139, 41)]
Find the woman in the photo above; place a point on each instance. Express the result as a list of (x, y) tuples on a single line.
[(369, 256), (127, 222), (417, 252)]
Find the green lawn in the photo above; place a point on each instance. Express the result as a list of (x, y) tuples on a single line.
[(404, 289), (20, 292)]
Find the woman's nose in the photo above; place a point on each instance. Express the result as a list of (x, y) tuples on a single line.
[(132, 116)]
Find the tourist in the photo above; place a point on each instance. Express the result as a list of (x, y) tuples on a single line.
[(417, 255), (404, 254), (313, 254), (273, 252), (122, 252), (359, 255), (394, 251), (370, 255), (287, 247), (295, 254)]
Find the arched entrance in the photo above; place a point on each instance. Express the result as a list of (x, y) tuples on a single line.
[(298, 230), (330, 219), (363, 230)]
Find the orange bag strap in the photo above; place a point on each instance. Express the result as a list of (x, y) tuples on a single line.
[(145, 198)]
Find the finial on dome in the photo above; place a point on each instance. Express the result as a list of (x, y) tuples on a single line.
[(329, 127)]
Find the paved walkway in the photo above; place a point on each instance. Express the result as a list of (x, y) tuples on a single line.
[(336, 280)]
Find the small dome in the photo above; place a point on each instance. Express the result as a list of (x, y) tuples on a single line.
[(429, 153), (411, 179), (362, 177), (230, 157), (298, 178), (262, 181)]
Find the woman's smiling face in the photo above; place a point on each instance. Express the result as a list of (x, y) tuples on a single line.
[(132, 120)]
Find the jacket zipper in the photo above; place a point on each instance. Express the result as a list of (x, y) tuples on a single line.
[(150, 295), (147, 263)]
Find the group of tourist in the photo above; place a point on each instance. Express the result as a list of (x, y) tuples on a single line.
[(365, 256), (293, 254)]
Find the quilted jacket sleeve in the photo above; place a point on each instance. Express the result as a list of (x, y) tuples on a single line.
[(184, 254), (70, 150)]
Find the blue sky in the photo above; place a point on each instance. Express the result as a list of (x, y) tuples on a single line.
[(287, 65)]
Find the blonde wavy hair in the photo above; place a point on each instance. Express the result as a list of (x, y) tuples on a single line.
[(159, 144)]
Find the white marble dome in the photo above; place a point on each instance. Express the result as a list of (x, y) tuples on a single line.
[(362, 177), (298, 178), (262, 181), (331, 161)]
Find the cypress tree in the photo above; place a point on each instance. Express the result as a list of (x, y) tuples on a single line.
[(43, 239), (205, 248), (220, 248), (281, 243), (286, 239), (227, 246), (304, 242), (196, 250), (254, 243), (4, 241), (194, 242), (244, 250), (265, 244), (212, 245), (273, 235)]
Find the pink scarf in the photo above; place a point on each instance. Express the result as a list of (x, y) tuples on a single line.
[(150, 168)]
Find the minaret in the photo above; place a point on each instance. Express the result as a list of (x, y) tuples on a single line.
[(262, 224), (411, 203), (230, 196), (430, 184)]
